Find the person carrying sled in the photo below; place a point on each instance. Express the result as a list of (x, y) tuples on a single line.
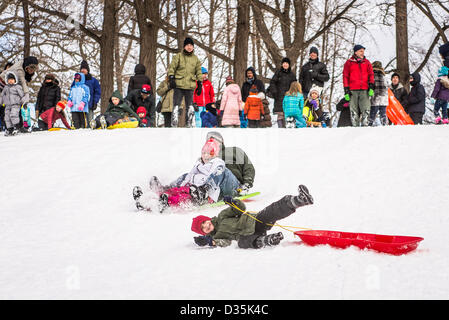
[(117, 110), (248, 229)]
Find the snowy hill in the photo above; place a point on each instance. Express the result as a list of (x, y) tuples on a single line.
[(69, 228)]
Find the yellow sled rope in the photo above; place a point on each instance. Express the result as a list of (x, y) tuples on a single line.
[(268, 224)]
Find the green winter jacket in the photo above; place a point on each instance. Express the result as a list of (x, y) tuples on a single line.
[(238, 162), (230, 224), (122, 109), (187, 70)]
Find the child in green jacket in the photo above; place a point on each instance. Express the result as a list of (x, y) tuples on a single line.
[(250, 230)]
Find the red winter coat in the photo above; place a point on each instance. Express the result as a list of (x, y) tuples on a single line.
[(51, 115), (207, 94), (358, 74)]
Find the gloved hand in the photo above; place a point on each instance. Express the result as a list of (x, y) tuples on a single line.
[(81, 106), (203, 241), (172, 82), (371, 92), (347, 97), (244, 188), (314, 103), (69, 104), (229, 200), (195, 107), (199, 88)]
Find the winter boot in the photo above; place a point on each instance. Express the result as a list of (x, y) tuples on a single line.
[(438, 120), (8, 132), (290, 122), (103, 122), (190, 117), (156, 185), (163, 202), (199, 194), (137, 193), (175, 115), (303, 198), (15, 129), (268, 240), (93, 124), (445, 121)]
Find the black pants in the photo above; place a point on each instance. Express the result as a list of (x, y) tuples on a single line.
[(253, 123), (167, 119), (417, 117), (79, 119), (110, 119), (276, 211), (178, 95)]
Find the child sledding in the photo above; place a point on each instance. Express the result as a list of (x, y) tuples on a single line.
[(205, 183), (248, 229)]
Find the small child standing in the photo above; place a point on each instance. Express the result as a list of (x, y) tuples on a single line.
[(293, 106), (379, 100), (78, 101), (313, 110), (26, 118), (12, 97), (441, 95), (253, 108)]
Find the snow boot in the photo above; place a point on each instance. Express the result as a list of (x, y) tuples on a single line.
[(103, 122), (438, 120), (445, 121), (8, 132), (93, 124), (191, 117), (175, 115), (15, 130), (163, 202), (156, 185), (268, 240), (290, 122), (303, 198), (137, 193), (199, 194)]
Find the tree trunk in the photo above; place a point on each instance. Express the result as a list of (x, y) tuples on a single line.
[(26, 30), (402, 41), (241, 41), (107, 53)]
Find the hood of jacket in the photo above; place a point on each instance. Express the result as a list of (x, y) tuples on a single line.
[(416, 79), (140, 69), (82, 81), (12, 73), (116, 94), (234, 88), (253, 71)]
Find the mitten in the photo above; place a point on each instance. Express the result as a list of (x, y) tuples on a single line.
[(81, 106), (314, 103), (172, 82), (203, 241), (199, 88), (347, 97), (371, 92), (69, 104)]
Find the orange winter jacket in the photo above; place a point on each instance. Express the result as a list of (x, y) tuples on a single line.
[(253, 107)]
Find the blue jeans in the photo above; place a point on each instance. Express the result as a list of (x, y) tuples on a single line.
[(440, 104), (226, 181)]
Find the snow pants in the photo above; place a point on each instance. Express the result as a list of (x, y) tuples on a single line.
[(440, 104), (269, 216), (12, 117), (360, 106)]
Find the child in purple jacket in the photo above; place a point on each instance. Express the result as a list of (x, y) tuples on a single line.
[(441, 95)]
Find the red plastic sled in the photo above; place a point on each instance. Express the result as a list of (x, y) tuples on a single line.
[(395, 245), (395, 111)]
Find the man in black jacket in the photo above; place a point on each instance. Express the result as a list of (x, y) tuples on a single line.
[(49, 95), (313, 72), (251, 79), (142, 98), (415, 104)]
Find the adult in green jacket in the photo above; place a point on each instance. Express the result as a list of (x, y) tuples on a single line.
[(237, 161), (184, 73), (117, 109), (250, 230)]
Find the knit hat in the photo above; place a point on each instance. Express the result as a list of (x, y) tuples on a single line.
[(286, 60), (216, 136), (204, 70), (50, 76), (395, 74), (196, 224), (444, 71), (211, 148), (146, 89), (188, 41), (313, 50), (61, 104), (357, 47), (84, 65), (316, 89), (229, 79), (141, 109), (11, 75), (444, 50)]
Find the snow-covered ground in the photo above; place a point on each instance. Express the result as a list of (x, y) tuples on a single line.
[(69, 228)]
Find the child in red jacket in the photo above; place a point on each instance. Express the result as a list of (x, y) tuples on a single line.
[(253, 108), (48, 118)]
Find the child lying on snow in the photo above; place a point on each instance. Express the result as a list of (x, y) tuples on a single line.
[(234, 224), (199, 186)]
